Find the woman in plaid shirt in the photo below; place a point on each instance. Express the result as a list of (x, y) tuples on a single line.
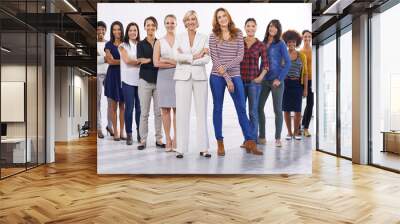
[(227, 50), (250, 70)]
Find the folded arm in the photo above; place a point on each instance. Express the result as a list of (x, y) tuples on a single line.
[(110, 59), (125, 57)]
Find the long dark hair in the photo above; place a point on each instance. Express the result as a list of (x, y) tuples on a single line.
[(278, 26), (121, 27), (126, 37)]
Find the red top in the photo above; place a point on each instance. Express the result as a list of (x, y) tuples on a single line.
[(249, 67)]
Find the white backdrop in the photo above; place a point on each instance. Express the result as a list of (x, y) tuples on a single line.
[(291, 15)]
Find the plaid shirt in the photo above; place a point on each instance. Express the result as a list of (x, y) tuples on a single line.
[(249, 67)]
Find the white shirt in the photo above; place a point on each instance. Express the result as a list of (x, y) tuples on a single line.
[(129, 73), (101, 64), (166, 51)]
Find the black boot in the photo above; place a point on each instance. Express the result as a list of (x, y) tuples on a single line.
[(129, 140), (137, 135)]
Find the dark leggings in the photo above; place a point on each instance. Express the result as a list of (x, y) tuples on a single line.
[(309, 107)]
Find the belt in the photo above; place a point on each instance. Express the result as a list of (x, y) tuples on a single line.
[(293, 78)]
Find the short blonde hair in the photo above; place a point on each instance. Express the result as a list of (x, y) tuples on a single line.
[(190, 13)]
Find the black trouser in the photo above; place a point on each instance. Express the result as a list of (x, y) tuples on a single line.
[(309, 107)]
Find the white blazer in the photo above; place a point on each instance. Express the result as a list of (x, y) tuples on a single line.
[(185, 65)]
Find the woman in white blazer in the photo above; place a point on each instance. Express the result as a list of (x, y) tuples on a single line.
[(191, 53)]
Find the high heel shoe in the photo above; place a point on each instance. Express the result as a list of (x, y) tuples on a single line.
[(174, 144), (117, 137), (111, 133), (100, 134), (205, 154), (168, 146), (141, 146), (160, 145)]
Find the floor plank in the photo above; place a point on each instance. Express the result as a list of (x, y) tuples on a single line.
[(70, 191)]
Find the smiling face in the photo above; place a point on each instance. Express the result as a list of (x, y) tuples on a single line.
[(101, 31), (291, 45), (307, 38), (132, 32), (116, 30), (272, 30), (170, 24), (150, 27), (191, 22), (222, 18), (251, 28)]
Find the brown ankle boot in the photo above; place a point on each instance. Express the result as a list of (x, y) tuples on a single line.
[(251, 146), (221, 148)]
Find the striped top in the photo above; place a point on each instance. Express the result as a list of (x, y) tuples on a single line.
[(295, 68), (227, 54)]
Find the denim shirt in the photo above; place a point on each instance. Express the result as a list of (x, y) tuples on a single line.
[(279, 61)]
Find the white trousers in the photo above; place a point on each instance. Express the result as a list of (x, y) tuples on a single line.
[(100, 79), (184, 90)]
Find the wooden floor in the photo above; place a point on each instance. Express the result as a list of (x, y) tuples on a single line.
[(70, 191)]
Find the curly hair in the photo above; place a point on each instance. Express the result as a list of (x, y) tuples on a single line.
[(233, 31), (292, 35)]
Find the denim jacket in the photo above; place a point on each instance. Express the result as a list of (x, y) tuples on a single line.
[(279, 61)]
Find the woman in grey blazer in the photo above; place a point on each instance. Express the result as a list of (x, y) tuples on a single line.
[(191, 53)]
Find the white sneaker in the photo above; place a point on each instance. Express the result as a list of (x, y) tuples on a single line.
[(288, 137), (261, 141), (278, 143), (297, 137)]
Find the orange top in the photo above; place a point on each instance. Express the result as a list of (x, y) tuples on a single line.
[(308, 54)]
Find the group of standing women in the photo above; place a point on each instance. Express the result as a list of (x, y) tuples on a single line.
[(170, 70)]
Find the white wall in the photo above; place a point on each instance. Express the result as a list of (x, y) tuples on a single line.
[(15, 73), (67, 114), (291, 16), (33, 127)]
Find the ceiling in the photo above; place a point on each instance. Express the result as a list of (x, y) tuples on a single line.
[(75, 21)]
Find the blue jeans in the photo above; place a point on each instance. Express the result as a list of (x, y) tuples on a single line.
[(218, 86), (277, 96), (131, 98), (252, 91)]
